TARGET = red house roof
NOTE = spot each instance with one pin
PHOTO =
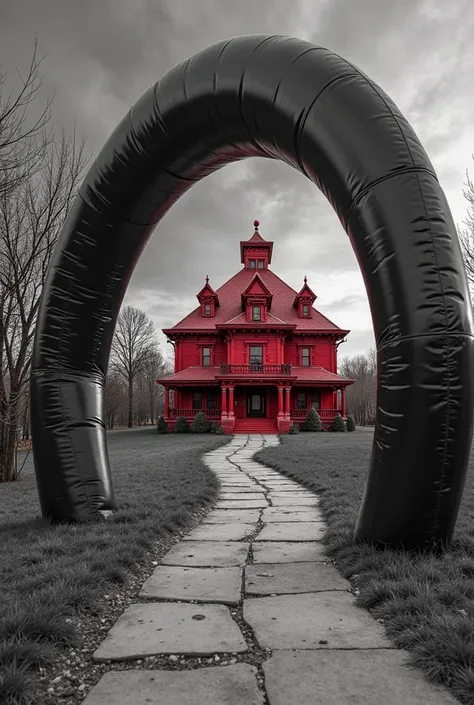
(282, 306)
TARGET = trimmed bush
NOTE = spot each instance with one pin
(200, 423)
(219, 431)
(162, 426)
(214, 426)
(350, 424)
(294, 428)
(182, 425)
(312, 422)
(338, 424)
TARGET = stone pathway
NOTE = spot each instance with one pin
(247, 610)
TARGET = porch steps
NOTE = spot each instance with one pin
(256, 426)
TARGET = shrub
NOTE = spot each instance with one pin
(182, 425)
(350, 424)
(214, 426)
(200, 423)
(294, 428)
(338, 424)
(162, 426)
(312, 422)
(219, 431)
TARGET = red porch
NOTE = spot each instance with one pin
(254, 398)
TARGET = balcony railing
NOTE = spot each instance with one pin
(256, 369)
(324, 414)
(191, 413)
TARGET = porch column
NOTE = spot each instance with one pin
(231, 400)
(224, 400)
(287, 402)
(280, 401)
(166, 409)
(343, 402)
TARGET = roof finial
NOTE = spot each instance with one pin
(305, 279)
(207, 278)
(256, 223)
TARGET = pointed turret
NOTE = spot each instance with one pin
(256, 253)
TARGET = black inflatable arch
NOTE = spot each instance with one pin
(280, 98)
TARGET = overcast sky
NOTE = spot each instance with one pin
(103, 54)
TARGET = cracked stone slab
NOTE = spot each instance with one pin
(241, 503)
(166, 628)
(214, 554)
(292, 531)
(320, 620)
(282, 515)
(224, 516)
(288, 552)
(187, 583)
(229, 685)
(294, 501)
(348, 677)
(234, 531)
(292, 578)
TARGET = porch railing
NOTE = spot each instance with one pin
(325, 414)
(191, 413)
(256, 369)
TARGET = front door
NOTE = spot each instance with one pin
(255, 403)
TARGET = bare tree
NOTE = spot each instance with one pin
(152, 394)
(24, 126)
(31, 216)
(466, 233)
(133, 344)
(361, 396)
(115, 398)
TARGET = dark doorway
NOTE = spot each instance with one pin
(256, 403)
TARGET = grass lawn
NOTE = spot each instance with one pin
(54, 580)
(426, 602)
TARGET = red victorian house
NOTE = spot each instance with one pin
(255, 355)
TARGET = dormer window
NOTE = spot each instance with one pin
(252, 263)
(305, 310)
(260, 264)
(256, 313)
(208, 299)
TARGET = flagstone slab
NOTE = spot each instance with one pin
(149, 629)
(296, 514)
(241, 495)
(229, 685)
(215, 554)
(320, 620)
(292, 578)
(292, 531)
(224, 516)
(186, 583)
(291, 492)
(287, 552)
(241, 503)
(348, 677)
(231, 531)
(294, 501)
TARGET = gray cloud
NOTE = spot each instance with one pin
(101, 57)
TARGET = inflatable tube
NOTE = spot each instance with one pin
(279, 98)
